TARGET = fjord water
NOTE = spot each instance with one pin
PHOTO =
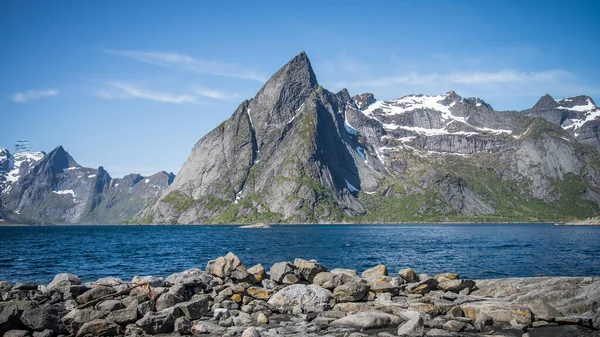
(36, 254)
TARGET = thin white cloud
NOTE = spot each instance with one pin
(465, 78)
(30, 95)
(128, 91)
(215, 94)
(189, 63)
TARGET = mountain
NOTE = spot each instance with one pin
(297, 153)
(577, 115)
(54, 188)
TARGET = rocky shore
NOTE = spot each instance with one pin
(301, 298)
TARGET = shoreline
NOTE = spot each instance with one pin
(301, 297)
(301, 224)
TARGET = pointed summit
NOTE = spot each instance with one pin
(58, 160)
(545, 103)
(297, 71)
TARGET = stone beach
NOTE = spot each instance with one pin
(301, 298)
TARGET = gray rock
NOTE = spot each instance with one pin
(123, 316)
(183, 326)
(308, 269)
(280, 269)
(409, 275)
(327, 280)
(454, 326)
(99, 327)
(439, 333)
(168, 300)
(177, 289)
(44, 333)
(228, 266)
(145, 307)
(251, 332)
(261, 318)
(368, 320)
(423, 287)
(62, 282)
(17, 333)
(242, 319)
(195, 308)
(44, 317)
(289, 279)
(543, 310)
(152, 280)
(105, 307)
(75, 319)
(9, 316)
(309, 298)
(498, 310)
(190, 277)
(456, 285)
(157, 322)
(413, 327)
(94, 293)
(350, 292)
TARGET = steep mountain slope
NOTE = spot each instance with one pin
(53, 188)
(299, 153)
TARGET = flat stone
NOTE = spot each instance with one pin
(543, 310)
(368, 320)
(17, 333)
(454, 326)
(456, 285)
(260, 293)
(350, 292)
(309, 298)
(499, 311)
(123, 316)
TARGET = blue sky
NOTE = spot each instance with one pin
(133, 85)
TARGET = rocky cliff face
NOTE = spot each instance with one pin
(53, 188)
(298, 153)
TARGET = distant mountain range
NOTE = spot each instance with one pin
(52, 188)
(297, 153)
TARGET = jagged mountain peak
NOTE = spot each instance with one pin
(364, 100)
(577, 103)
(60, 160)
(546, 102)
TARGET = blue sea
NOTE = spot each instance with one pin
(36, 254)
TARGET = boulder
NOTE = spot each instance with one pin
(368, 320)
(423, 287)
(94, 293)
(99, 327)
(76, 318)
(380, 287)
(378, 270)
(183, 326)
(62, 282)
(308, 298)
(327, 280)
(446, 277)
(251, 332)
(257, 273)
(543, 310)
(167, 300)
(46, 316)
(123, 316)
(158, 322)
(439, 333)
(260, 293)
(191, 277)
(116, 283)
(228, 266)
(413, 327)
(409, 275)
(106, 306)
(456, 285)
(261, 318)
(152, 280)
(280, 269)
(309, 268)
(346, 275)
(17, 333)
(9, 316)
(350, 292)
(290, 279)
(454, 326)
(195, 308)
